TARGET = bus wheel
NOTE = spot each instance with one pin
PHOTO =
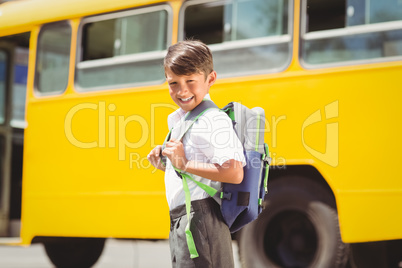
(74, 252)
(298, 228)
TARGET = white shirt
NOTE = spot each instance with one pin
(211, 139)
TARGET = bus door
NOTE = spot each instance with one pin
(14, 51)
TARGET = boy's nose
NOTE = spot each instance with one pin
(182, 89)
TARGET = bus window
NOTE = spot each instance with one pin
(21, 55)
(121, 49)
(3, 75)
(353, 30)
(53, 58)
(245, 36)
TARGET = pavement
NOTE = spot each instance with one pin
(116, 254)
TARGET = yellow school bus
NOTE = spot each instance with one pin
(83, 99)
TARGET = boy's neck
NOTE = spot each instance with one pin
(207, 97)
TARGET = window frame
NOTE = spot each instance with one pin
(8, 66)
(342, 32)
(253, 42)
(36, 91)
(121, 59)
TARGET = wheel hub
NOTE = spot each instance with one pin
(291, 239)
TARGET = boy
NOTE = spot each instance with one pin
(210, 151)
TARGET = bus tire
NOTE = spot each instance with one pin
(298, 228)
(74, 252)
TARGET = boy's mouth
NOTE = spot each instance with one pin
(187, 99)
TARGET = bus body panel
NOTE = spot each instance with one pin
(114, 178)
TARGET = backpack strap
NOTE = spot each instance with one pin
(192, 116)
(163, 158)
(201, 109)
(211, 191)
(267, 161)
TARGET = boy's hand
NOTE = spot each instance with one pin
(174, 150)
(230, 171)
(155, 158)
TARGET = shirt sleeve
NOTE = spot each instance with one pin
(214, 136)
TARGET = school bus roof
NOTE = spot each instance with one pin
(22, 15)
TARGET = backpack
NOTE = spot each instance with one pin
(240, 203)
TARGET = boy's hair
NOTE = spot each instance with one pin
(189, 57)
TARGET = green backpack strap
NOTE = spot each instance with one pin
(211, 191)
(196, 113)
(267, 162)
(193, 116)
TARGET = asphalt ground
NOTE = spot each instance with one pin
(116, 254)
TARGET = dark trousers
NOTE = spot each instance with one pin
(211, 236)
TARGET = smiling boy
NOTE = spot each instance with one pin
(210, 151)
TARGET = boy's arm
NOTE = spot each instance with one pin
(230, 171)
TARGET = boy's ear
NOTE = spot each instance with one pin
(212, 78)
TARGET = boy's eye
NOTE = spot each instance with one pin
(172, 83)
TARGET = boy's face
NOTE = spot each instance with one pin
(188, 91)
